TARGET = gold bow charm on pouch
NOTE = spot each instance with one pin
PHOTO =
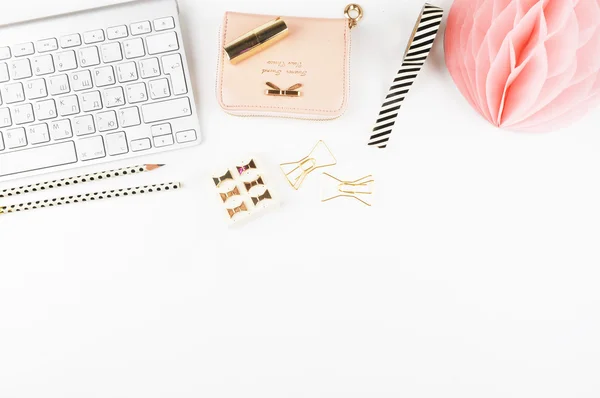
(291, 91)
(352, 189)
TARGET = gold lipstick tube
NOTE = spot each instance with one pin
(256, 40)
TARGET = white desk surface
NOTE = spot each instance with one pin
(474, 275)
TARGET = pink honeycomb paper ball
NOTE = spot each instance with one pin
(526, 65)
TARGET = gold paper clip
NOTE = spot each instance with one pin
(352, 189)
(291, 91)
(296, 172)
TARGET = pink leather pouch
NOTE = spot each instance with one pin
(313, 61)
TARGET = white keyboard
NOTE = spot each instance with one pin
(92, 87)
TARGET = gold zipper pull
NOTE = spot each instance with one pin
(354, 13)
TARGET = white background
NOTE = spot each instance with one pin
(475, 274)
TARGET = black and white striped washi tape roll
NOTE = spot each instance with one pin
(415, 56)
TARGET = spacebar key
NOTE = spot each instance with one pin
(37, 158)
(165, 110)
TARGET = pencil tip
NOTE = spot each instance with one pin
(151, 167)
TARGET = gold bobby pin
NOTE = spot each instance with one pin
(234, 192)
(260, 198)
(353, 189)
(246, 167)
(306, 165)
(291, 91)
(224, 177)
(249, 185)
(236, 210)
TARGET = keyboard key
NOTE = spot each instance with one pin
(35, 89)
(84, 125)
(14, 138)
(149, 68)
(91, 148)
(164, 24)
(161, 129)
(23, 114)
(21, 50)
(37, 158)
(129, 117)
(43, 46)
(104, 76)
(140, 28)
(111, 52)
(4, 53)
(140, 145)
(91, 101)
(5, 119)
(117, 32)
(69, 41)
(43, 65)
(4, 76)
(65, 61)
(107, 121)
(134, 48)
(116, 143)
(38, 134)
(127, 72)
(13, 93)
(61, 129)
(163, 140)
(159, 89)
(173, 66)
(1, 142)
(58, 84)
(136, 93)
(94, 36)
(165, 110)
(162, 43)
(68, 105)
(88, 56)
(114, 97)
(186, 136)
(45, 110)
(82, 80)
(20, 69)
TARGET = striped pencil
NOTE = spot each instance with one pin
(101, 175)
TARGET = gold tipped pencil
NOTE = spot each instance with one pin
(101, 175)
(86, 197)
